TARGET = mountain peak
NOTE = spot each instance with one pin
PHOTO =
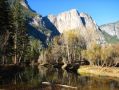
(69, 12)
(73, 11)
(73, 20)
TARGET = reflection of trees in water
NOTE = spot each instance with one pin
(34, 76)
(21, 80)
(57, 76)
(50, 74)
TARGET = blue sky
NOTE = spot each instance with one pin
(102, 11)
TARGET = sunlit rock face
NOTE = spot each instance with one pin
(36, 21)
(111, 28)
(34, 25)
(65, 21)
(23, 2)
(73, 20)
(34, 18)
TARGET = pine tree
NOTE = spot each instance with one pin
(21, 40)
(6, 27)
(14, 41)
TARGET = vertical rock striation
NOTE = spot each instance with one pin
(73, 20)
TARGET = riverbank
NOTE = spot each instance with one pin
(99, 71)
(10, 70)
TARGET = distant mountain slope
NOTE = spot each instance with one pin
(111, 28)
(109, 38)
(33, 22)
(111, 32)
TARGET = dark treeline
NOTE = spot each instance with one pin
(14, 40)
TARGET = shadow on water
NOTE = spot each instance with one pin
(42, 78)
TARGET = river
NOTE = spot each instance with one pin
(42, 78)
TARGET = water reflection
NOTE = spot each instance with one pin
(56, 79)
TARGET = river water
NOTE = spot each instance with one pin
(42, 78)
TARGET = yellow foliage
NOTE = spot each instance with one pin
(106, 52)
(71, 35)
(97, 52)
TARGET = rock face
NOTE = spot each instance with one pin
(36, 21)
(45, 28)
(35, 28)
(23, 3)
(73, 20)
(111, 28)
(34, 18)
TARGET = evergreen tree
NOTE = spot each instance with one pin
(21, 40)
(14, 41)
(6, 27)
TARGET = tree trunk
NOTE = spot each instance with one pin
(4, 46)
(68, 54)
(3, 59)
(15, 48)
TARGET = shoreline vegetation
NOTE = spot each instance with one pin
(91, 70)
(99, 71)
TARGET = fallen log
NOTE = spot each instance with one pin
(60, 85)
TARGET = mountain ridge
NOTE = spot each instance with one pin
(111, 28)
(73, 20)
(67, 20)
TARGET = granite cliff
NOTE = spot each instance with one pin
(45, 28)
(73, 20)
(111, 28)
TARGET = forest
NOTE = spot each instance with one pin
(17, 47)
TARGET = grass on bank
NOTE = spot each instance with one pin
(99, 71)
